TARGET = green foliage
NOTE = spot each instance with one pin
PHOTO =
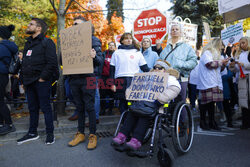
(200, 11)
(20, 12)
(115, 6)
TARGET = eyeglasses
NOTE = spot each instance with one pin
(159, 68)
(31, 24)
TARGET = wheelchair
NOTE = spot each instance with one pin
(173, 120)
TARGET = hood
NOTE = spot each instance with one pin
(12, 47)
(146, 52)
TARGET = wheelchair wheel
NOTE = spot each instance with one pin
(165, 157)
(183, 128)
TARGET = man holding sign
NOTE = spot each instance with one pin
(84, 95)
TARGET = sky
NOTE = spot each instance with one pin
(139, 5)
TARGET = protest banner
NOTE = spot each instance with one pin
(232, 34)
(76, 44)
(189, 31)
(232, 10)
(147, 86)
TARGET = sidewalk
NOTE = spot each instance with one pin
(62, 125)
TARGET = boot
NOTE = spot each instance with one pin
(79, 137)
(92, 142)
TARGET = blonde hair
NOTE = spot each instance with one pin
(214, 46)
(240, 49)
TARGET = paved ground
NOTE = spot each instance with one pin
(227, 148)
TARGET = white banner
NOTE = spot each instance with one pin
(232, 34)
(229, 5)
(189, 32)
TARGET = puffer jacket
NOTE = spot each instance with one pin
(7, 49)
(99, 59)
(182, 58)
(151, 57)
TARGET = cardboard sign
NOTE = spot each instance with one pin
(147, 86)
(232, 34)
(76, 44)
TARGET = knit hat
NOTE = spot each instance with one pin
(163, 63)
(5, 31)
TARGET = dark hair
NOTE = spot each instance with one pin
(83, 19)
(80, 18)
(112, 42)
(41, 23)
(125, 36)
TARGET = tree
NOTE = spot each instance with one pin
(200, 11)
(114, 6)
(20, 15)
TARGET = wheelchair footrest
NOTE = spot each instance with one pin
(139, 153)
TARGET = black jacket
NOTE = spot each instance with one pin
(99, 59)
(39, 60)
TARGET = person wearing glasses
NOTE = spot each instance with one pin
(84, 97)
(138, 125)
(38, 65)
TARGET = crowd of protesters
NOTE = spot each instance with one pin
(218, 77)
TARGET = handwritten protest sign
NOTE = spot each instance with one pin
(232, 34)
(75, 46)
(147, 86)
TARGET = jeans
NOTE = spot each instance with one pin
(97, 100)
(4, 110)
(85, 101)
(38, 95)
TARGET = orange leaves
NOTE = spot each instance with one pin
(91, 10)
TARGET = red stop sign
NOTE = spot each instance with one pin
(150, 23)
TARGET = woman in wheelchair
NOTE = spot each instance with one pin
(137, 125)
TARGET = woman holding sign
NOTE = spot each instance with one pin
(125, 62)
(138, 124)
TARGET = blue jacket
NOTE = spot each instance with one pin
(182, 58)
(151, 57)
(226, 84)
(7, 49)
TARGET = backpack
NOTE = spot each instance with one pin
(56, 73)
(13, 66)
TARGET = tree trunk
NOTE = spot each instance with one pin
(60, 85)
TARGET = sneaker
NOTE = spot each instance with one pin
(92, 142)
(27, 137)
(5, 129)
(134, 144)
(119, 139)
(79, 137)
(50, 139)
